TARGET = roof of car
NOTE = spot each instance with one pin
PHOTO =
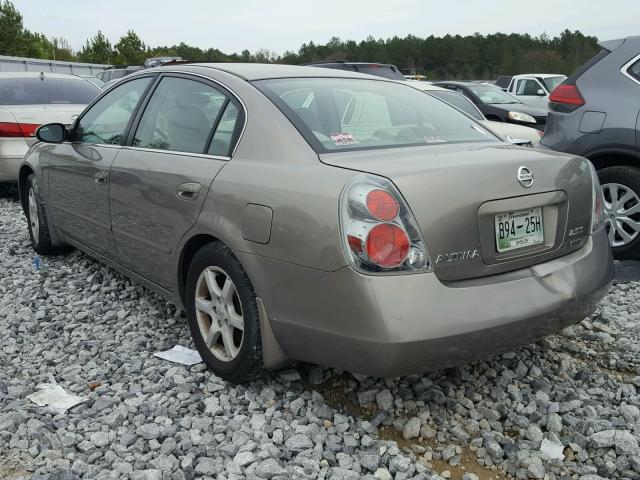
(616, 42)
(260, 71)
(424, 86)
(461, 83)
(39, 74)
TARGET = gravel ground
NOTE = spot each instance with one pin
(94, 332)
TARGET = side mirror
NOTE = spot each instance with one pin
(51, 133)
(540, 92)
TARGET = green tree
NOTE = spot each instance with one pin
(97, 50)
(130, 50)
(11, 30)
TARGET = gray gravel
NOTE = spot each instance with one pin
(94, 332)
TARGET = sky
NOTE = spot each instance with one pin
(281, 25)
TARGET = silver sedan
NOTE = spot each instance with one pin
(310, 214)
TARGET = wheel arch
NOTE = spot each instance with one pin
(613, 157)
(189, 250)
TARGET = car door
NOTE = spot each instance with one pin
(531, 92)
(78, 170)
(181, 139)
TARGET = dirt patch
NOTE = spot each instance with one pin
(11, 468)
(468, 461)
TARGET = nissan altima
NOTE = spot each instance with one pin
(298, 213)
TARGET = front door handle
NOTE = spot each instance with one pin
(188, 191)
(101, 177)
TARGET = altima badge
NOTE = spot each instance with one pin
(525, 177)
(457, 256)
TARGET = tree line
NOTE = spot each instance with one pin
(448, 57)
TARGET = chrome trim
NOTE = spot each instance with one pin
(107, 145)
(627, 66)
(175, 152)
(244, 107)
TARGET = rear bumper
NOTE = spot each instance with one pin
(9, 168)
(402, 324)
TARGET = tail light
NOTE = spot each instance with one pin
(9, 129)
(566, 98)
(379, 232)
(597, 214)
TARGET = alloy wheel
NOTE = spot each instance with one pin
(34, 223)
(219, 313)
(622, 213)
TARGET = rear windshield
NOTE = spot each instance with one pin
(34, 91)
(337, 114)
(459, 101)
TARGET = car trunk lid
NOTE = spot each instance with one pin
(42, 114)
(456, 191)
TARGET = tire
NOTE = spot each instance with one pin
(36, 214)
(623, 181)
(235, 356)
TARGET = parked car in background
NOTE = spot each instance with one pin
(378, 69)
(29, 99)
(93, 79)
(159, 61)
(321, 215)
(596, 113)
(516, 134)
(503, 82)
(534, 89)
(499, 106)
(115, 73)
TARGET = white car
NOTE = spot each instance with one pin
(510, 132)
(534, 88)
(30, 99)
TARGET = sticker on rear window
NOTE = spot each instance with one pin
(434, 139)
(342, 139)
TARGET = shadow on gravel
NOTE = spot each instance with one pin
(627, 271)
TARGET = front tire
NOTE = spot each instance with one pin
(621, 191)
(36, 214)
(223, 314)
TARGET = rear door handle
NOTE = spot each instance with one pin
(101, 177)
(188, 191)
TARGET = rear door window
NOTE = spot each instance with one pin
(634, 70)
(46, 91)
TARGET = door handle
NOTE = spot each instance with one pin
(188, 191)
(101, 177)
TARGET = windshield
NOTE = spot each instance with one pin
(348, 114)
(552, 82)
(491, 94)
(34, 91)
(459, 101)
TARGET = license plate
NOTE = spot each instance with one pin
(519, 229)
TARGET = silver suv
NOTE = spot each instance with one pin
(596, 113)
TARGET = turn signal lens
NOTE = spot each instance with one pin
(387, 245)
(382, 205)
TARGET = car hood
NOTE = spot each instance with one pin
(521, 107)
(456, 190)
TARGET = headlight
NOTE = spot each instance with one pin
(521, 117)
(597, 214)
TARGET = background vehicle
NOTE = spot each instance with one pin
(503, 82)
(596, 113)
(378, 69)
(93, 79)
(534, 88)
(115, 73)
(29, 99)
(499, 106)
(510, 132)
(307, 213)
(158, 61)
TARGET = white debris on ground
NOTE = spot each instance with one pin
(181, 355)
(55, 397)
(96, 333)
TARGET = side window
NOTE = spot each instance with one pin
(221, 142)
(179, 116)
(528, 87)
(634, 70)
(107, 120)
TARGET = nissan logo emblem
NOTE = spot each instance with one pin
(525, 177)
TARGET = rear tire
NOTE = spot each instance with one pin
(225, 299)
(36, 214)
(622, 182)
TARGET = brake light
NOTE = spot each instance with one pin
(379, 232)
(597, 212)
(9, 129)
(567, 94)
(382, 205)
